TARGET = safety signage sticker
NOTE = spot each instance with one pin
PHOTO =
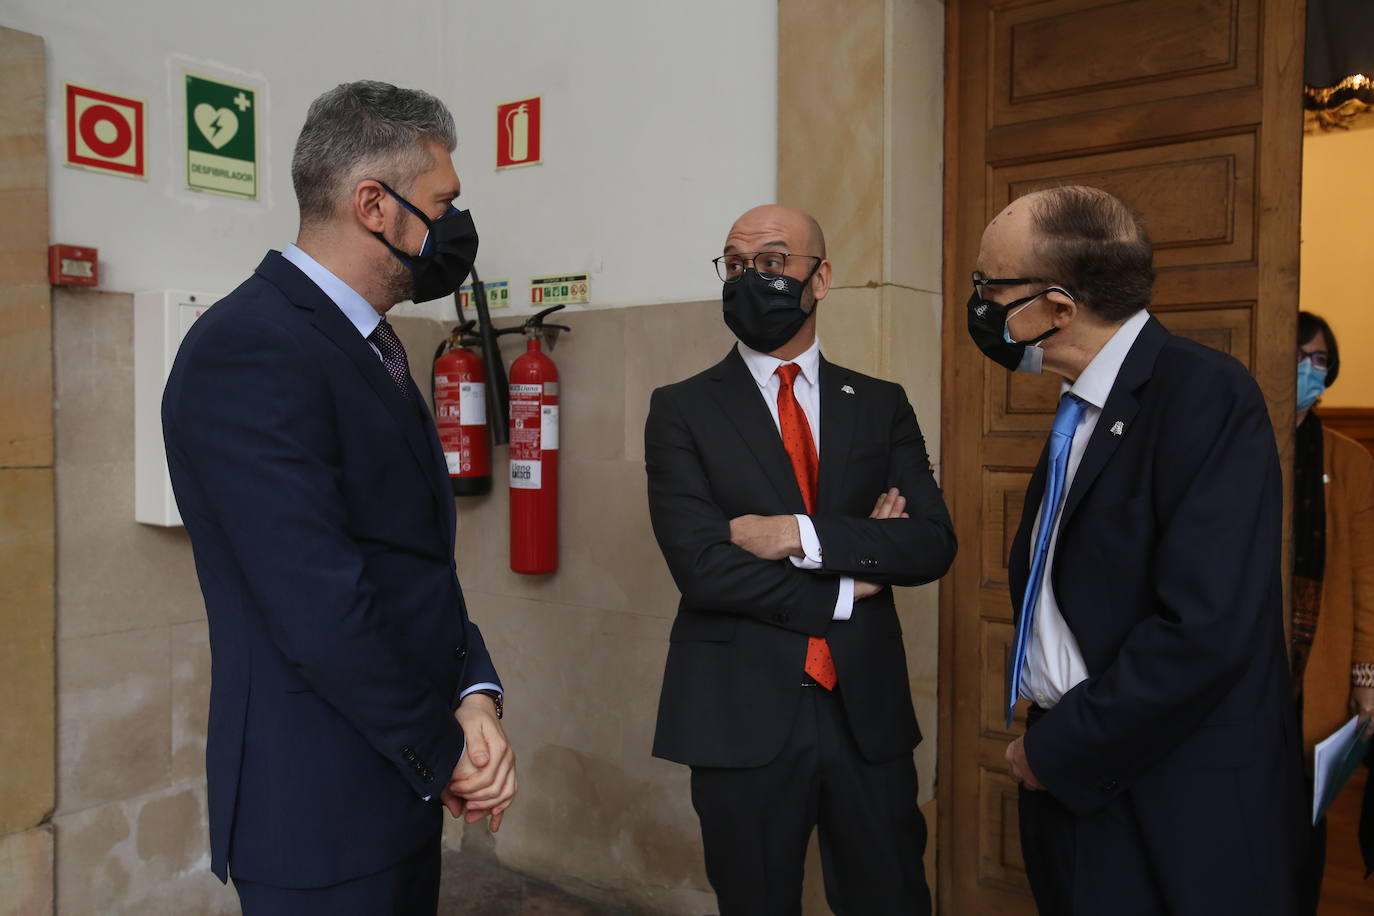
(573, 290)
(498, 294)
(221, 138)
(517, 133)
(106, 132)
(526, 452)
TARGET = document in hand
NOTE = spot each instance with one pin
(1336, 758)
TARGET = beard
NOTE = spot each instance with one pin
(398, 283)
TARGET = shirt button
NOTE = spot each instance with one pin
(1040, 699)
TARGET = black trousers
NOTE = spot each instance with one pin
(408, 888)
(756, 823)
(1313, 866)
(1084, 866)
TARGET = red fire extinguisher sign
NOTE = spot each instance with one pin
(517, 133)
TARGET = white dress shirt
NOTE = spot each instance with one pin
(1054, 663)
(365, 318)
(807, 389)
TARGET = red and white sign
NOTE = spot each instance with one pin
(517, 133)
(106, 133)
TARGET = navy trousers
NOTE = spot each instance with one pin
(408, 888)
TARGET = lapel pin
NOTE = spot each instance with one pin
(847, 389)
(1118, 428)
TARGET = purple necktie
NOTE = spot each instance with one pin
(393, 356)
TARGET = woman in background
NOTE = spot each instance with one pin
(1333, 567)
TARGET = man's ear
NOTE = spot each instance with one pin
(368, 197)
(1064, 309)
(820, 280)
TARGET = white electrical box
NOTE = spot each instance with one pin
(161, 320)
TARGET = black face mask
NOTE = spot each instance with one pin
(765, 314)
(445, 258)
(987, 325)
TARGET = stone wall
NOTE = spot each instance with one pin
(26, 485)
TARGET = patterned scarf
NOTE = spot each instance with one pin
(1309, 540)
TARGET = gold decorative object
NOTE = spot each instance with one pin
(1336, 107)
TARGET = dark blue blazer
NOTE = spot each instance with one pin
(1167, 570)
(320, 515)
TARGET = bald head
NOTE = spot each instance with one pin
(778, 227)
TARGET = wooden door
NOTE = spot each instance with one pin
(1191, 111)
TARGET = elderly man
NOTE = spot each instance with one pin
(351, 695)
(786, 686)
(1160, 770)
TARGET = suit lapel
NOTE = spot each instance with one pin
(333, 324)
(839, 410)
(739, 399)
(1121, 408)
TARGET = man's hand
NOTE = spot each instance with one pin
(1020, 766)
(891, 504)
(864, 589)
(1362, 702)
(768, 537)
(484, 782)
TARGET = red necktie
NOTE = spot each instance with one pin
(801, 451)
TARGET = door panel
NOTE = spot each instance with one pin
(1191, 111)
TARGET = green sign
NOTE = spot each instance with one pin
(221, 138)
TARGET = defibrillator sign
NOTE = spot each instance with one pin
(221, 138)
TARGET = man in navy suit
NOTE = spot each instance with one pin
(1160, 771)
(351, 698)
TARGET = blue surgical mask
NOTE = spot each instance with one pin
(1311, 384)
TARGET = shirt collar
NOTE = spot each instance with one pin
(356, 309)
(762, 366)
(1095, 382)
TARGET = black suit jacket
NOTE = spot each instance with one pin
(738, 644)
(322, 525)
(1167, 570)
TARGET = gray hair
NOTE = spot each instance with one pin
(364, 129)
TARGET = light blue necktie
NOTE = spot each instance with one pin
(1061, 438)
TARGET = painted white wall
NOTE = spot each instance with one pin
(1337, 198)
(659, 128)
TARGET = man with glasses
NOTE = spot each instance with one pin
(1159, 772)
(786, 686)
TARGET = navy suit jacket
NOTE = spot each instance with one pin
(1167, 571)
(733, 676)
(320, 515)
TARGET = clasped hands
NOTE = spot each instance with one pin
(777, 537)
(483, 783)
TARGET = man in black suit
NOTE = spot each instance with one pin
(351, 696)
(1160, 770)
(786, 686)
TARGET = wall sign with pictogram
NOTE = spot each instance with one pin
(498, 294)
(106, 132)
(221, 138)
(518, 133)
(570, 290)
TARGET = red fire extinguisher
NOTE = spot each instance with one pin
(534, 451)
(460, 411)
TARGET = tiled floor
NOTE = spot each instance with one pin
(473, 888)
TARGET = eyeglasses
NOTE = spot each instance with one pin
(1319, 358)
(770, 264)
(980, 281)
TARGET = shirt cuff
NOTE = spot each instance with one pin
(811, 545)
(482, 686)
(844, 604)
(1362, 674)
